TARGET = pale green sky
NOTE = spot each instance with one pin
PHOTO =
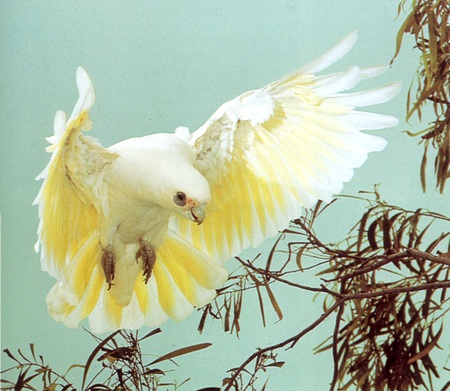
(157, 65)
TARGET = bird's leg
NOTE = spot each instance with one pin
(109, 265)
(148, 256)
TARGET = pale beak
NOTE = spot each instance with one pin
(198, 213)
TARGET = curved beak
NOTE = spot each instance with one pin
(198, 213)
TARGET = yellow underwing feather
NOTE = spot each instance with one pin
(170, 297)
(113, 311)
(206, 273)
(142, 294)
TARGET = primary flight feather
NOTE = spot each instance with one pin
(138, 232)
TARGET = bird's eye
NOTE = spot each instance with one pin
(180, 199)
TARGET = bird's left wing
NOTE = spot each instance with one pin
(270, 152)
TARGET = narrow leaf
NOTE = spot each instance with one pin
(362, 227)
(371, 235)
(386, 231)
(151, 333)
(433, 45)
(427, 348)
(180, 352)
(10, 355)
(277, 364)
(72, 367)
(154, 372)
(94, 353)
(406, 26)
(274, 302)
(298, 258)
(260, 299)
(423, 169)
(32, 351)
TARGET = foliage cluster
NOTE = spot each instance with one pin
(385, 285)
(429, 24)
(116, 363)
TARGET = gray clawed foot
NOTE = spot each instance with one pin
(109, 265)
(148, 256)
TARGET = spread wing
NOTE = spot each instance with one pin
(73, 194)
(270, 152)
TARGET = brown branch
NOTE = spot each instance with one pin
(411, 252)
(388, 259)
(290, 341)
(392, 291)
(269, 275)
(335, 347)
(429, 257)
(341, 300)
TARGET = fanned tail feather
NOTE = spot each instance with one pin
(183, 278)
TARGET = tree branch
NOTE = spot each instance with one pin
(231, 382)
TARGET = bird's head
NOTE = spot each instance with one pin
(169, 174)
(190, 207)
(188, 193)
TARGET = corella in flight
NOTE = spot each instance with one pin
(138, 232)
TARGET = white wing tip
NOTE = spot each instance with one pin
(351, 38)
(86, 93)
(394, 88)
(379, 144)
(84, 82)
(332, 55)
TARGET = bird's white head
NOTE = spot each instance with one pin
(158, 168)
(184, 190)
(189, 207)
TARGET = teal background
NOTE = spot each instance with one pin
(157, 65)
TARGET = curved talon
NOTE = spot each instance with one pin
(109, 265)
(148, 256)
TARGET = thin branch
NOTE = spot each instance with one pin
(274, 276)
(290, 341)
(335, 347)
(431, 286)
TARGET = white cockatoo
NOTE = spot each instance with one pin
(138, 232)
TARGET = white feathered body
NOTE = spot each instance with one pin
(137, 188)
(137, 198)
